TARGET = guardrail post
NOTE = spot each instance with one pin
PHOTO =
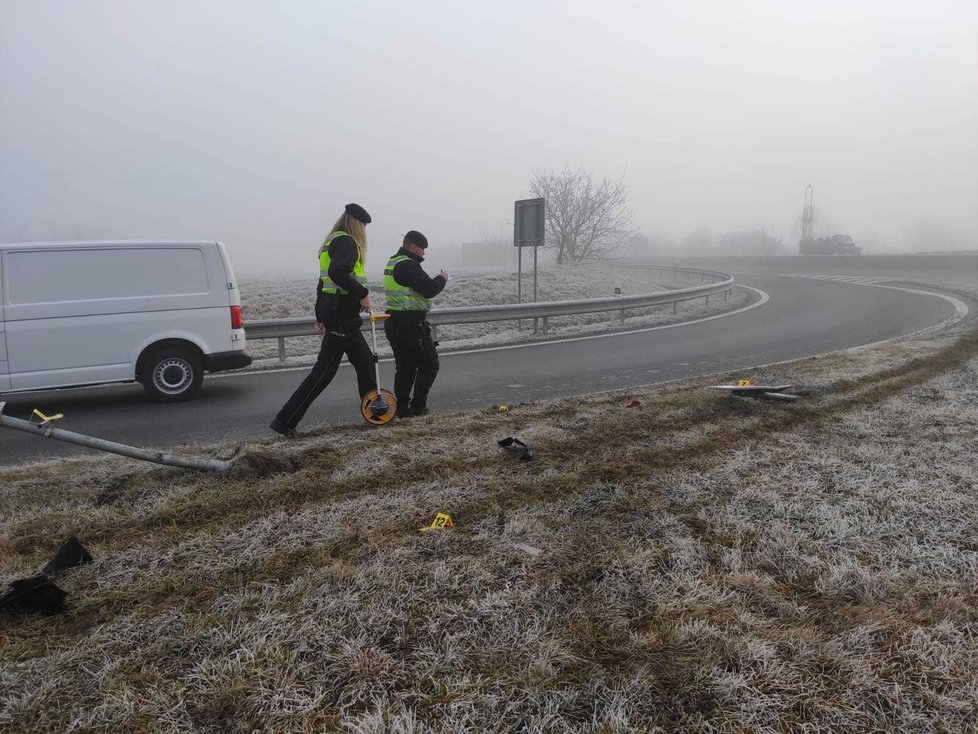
(281, 349)
(674, 305)
(621, 316)
(536, 325)
(546, 325)
(434, 332)
(707, 300)
(725, 295)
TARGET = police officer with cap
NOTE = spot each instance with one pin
(408, 291)
(341, 294)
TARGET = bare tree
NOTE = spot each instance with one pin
(585, 219)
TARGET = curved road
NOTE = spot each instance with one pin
(803, 317)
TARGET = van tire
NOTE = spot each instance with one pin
(171, 375)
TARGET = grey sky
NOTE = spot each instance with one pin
(253, 122)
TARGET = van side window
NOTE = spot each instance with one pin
(57, 276)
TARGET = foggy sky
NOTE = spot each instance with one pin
(254, 122)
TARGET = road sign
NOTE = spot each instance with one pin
(529, 230)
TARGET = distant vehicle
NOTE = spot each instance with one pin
(837, 244)
(83, 313)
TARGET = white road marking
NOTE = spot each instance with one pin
(961, 310)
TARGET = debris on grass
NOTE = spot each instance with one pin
(516, 448)
(71, 553)
(34, 595)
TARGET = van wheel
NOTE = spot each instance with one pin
(172, 375)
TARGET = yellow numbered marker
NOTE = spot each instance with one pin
(441, 521)
(744, 383)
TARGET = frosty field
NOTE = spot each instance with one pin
(699, 563)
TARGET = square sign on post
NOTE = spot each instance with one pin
(529, 223)
(529, 227)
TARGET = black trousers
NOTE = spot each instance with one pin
(415, 361)
(336, 342)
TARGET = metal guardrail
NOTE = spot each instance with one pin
(719, 284)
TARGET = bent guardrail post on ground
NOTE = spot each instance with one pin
(46, 430)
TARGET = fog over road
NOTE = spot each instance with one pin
(804, 316)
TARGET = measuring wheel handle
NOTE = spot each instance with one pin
(378, 406)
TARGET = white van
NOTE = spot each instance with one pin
(82, 313)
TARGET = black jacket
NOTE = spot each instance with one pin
(341, 310)
(410, 273)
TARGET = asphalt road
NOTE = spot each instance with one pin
(803, 317)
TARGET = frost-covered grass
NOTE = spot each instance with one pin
(705, 564)
(288, 297)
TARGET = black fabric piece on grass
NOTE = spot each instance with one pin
(71, 553)
(36, 594)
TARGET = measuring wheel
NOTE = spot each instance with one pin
(378, 407)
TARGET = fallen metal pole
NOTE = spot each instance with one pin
(782, 396)
(46, 430)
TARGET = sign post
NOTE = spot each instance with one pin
(529, 230)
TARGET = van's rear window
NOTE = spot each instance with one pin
(53, 276)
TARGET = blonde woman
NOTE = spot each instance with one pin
(341, 294)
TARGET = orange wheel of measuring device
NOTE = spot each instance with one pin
(378, 407)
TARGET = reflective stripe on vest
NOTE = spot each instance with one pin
(328, 285)
(400, 297)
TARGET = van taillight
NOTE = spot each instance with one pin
(237, 320)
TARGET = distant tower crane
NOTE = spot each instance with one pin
(808, 218)
(837, 244)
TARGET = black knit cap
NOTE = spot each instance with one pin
(417, 239)
(358, 212)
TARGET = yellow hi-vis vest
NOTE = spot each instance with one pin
(328, 285)
(400, 297)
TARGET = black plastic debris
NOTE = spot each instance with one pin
(71, 553)
(516, 448)
(36, 594)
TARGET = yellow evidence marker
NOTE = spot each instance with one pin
(440, 522)
(46, 418)
(744, 383)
